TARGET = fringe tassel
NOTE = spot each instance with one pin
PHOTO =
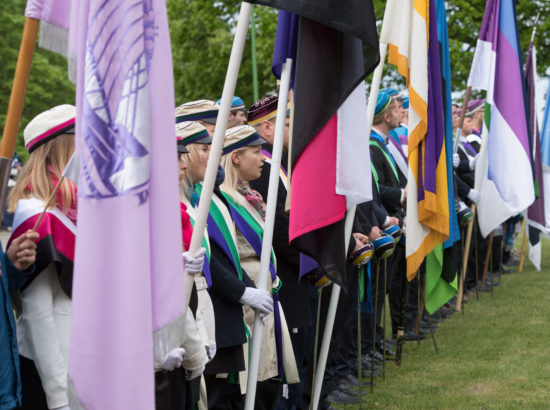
(54, 38)
(168, 338)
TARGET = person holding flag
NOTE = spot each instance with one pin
(243, 161)
(44, 321)
(230, 285)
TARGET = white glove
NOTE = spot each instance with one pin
(62, 408)
(474, 196)
(456, 160)
(211, 351)
(192, 374)
(258, 299)
(173, 359)
(193, 264)
(473, 162)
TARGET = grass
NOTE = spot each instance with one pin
(494, 355)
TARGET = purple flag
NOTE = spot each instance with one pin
(536, 210)
(128, 293)
(285, 43)
(56, 12)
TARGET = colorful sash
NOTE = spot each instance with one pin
(219, 232)
(469, 147)
(377, 141)
(282, 171)
(254, 233)
(56, 242)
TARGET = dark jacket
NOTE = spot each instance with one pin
(225, 292)
(10, 380)
(294, 294)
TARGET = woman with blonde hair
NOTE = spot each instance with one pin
(44, 320)
(242, 161)
(230, 285)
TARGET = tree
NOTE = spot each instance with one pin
(202, 36)
(48, 82)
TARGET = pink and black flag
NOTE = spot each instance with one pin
(128, 293)
(504, 174)
(337, 47)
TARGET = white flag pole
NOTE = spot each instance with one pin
(268, 230)
(219, 135)
(331, 315)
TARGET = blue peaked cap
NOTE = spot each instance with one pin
(405, 103)
(382, 102)
(236, 104)
(392, 92)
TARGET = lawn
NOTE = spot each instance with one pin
(493, 355)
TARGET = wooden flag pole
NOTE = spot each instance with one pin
(271, 206)
(487, 257)
(523, 246)
(50, 200)
(460, 294)
(17, 100)
(219, 135)
(461, 119)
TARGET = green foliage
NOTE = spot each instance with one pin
(48, 83)
(464, 22)
(202, 36)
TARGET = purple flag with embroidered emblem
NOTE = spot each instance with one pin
(128, 293)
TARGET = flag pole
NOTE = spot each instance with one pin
(255, 92)
(331, 315)
(377, 77)
(487, 257)
(219, 135)
(17, 100)
(523, 246)
(461, 119)
(465, 261)
(268, 231)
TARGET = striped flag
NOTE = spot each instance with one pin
(504, 175)
(536, 218)
(545, 154)
(441, 284)
(337, 48)
(413, 49)
(128, 292)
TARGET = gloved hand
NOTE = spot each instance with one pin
(474, 195)
(192, 374)
(473, 162)
(456, 160)
(193, 264)
(173, 359)
(63, 408)
(258, 299)
(211, 352)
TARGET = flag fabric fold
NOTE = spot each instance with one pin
(329, 130)
(506, 190)
(545, 157)
(536, 212)
(410, 30)
(55, 16)
(128, 293)
(441, 262)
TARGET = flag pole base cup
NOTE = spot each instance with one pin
(362, 255)
(395, 232)
(384, 246)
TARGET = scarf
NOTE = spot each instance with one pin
(253, 197)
